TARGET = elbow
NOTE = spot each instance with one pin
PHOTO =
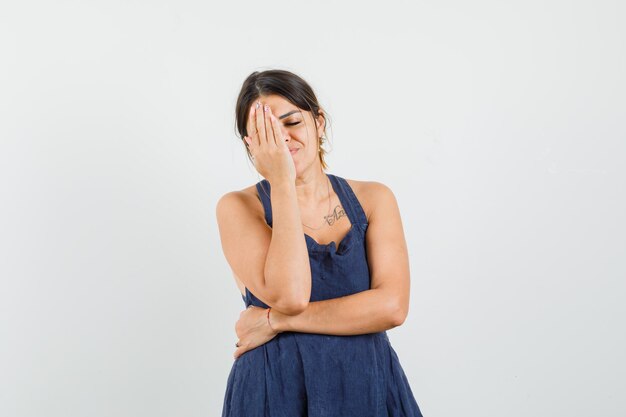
(398, 315)
(291, 307)
(291, 301)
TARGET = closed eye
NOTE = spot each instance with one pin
(291, 124)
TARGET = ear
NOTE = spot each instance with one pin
(321, 122)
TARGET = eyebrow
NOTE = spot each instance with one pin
(287, 114)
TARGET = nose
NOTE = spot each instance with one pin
(284, 135)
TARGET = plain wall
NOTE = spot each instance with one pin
(499, 126)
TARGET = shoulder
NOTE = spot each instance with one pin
(246, 199)
(373, 196)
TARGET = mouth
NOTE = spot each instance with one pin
(292, 151)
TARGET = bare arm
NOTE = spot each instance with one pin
(368, 311)
(272, 263)
(287, 261)
(382, 307)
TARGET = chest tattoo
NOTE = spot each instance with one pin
(337, 214)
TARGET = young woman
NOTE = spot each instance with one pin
(322, 265)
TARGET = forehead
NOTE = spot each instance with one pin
(280, 106)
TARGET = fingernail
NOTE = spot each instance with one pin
(258, 104)
(267, 107)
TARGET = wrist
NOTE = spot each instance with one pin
(277, 321)
(282, 184)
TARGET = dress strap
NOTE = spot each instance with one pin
(264, 189)
(346, 195)
(348, 199)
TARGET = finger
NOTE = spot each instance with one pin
(252, 128)
(269, 129)
(278, 133)
(260, 124)
(239, 351)
(238, 332)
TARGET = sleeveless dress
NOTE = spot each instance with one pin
(318, 375)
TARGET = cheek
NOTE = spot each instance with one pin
(299, 129)
(304, 132)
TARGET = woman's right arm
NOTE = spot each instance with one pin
(273, 263)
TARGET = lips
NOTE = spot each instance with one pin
(294, 150)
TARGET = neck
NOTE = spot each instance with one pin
(312, 188)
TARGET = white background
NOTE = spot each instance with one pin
(498, 125)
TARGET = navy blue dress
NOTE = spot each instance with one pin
(317, 375)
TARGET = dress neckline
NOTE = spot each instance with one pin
(344, 195)
(344, 205)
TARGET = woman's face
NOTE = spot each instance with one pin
(298, 129)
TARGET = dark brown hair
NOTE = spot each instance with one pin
(282, 83)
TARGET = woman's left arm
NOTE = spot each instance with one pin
(386, 304)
